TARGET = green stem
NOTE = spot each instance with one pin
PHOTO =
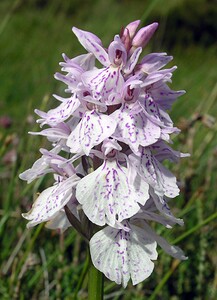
(95, 283)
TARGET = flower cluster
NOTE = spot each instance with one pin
(109, 139)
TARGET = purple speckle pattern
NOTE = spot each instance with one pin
(132, 61)
(134, 128)
(50, 202)
(122, 255)
(92, 44)
(61, 113)
(154, 173)
(91, 131)
(154, 113)
(164, 209)
(106, 194)
(103, 83)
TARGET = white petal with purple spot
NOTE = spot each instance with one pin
(50, 202)
(60, 113)
(91, 131)
(154, 173)
(92, 44)
(106, 194)
(104, 84)
(153, 112)
(134, 128)
(122, 255)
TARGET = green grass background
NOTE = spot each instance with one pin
(43, 264)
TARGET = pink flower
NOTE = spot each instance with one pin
(109, 140)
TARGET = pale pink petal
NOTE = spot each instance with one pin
(143, 36)
(154, 112)
(54, 134)
(163, 95)
(82, 35)
(71, 80)
(163, 151)
(151, 216)
(163, 207)
(132, 61)
(85, 61)
(92, 44)
(59, 114)
(40, 166)
(167, 131)
(155, 77)
(132, 27)
(153, 62)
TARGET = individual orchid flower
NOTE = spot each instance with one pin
(94, 127)
(128, 254)
(58, 115)
(134, 128)
(51, 201)
(154, 173)
(74, 68)
(122, 255)
(48, 163)
(108, 81)
(106, 195)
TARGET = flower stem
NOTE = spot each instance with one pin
(95, 283)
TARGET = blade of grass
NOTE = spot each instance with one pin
(149, 9)
(195, 228)
(9, 15)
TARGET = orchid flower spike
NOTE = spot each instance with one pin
(109, 139)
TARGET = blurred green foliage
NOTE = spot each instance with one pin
(41, 264)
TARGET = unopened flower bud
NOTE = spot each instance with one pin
(143, 35)
(131, 28)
